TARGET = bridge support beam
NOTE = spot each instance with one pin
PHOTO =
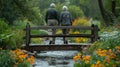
(39, 48)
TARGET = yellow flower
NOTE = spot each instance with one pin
(117, 47)
(98, 62)
(87, 62)
(109, 30)
(77, 57)
(0, 49)
(74, 22)
(79, 54)
(93, 65)
(88, 57)
(77, 40)
(76, 32)
(101, 52)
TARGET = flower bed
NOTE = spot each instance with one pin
(99, 58)
(16, 58)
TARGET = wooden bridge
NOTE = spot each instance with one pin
(93, 36)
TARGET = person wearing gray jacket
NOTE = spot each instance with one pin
(65, 20)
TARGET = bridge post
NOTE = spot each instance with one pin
(94, 33)
(27, 36)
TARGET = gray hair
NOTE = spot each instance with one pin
(52, 5)
(64, 8)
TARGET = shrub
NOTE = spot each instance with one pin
(5, 60)
(99, 58)
(15, 58)
(108, 40)
(10, 38)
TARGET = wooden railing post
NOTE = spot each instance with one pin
(27, 36)
(94, 33)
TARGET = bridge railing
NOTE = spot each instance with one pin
(93, 35)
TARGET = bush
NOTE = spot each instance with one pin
(99, 58)
(108, 40)
(15, 58)
(5, 60)
(10, 38)
(75, 11)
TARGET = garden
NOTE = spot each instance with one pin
(14, 15)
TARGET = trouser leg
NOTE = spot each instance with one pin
(53, 22)
(53, 32)
(66, 32)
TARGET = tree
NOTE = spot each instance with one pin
(13, 9)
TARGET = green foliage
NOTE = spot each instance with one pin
(8, 60)
(77, 65)
(8, 38)
(108, 40)
(98, 23)
(3, 26)
(24, 64)
(12, 40)
(5, 60)
(39, 32)
(16, 9)
(75, 11)
(98, 58)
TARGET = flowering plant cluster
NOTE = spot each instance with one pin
(16, 58)
(79, 39)
(99, 58)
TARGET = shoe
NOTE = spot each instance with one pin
(53, 42)
(65, 42)
(50, 42)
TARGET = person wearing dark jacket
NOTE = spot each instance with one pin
(52, 19)
(65, 20)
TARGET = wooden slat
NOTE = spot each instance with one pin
(61, 35)
(62, 27)
(56, 47)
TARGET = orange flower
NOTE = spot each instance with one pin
(101, 52)
(98, 64)
(31, 59)
(77, 57)
(88, 57)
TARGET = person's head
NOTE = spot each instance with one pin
(52, 5)
(64, 8)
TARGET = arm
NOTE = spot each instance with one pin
(46, 17)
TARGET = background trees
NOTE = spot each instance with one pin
(34, 10)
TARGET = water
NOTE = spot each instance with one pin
(55, 58)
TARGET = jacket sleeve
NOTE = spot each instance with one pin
(71, 19)
(46, 16)
(60, 19)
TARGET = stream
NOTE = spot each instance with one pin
(55, 58)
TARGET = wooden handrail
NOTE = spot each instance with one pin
(62, 35)
(62, 27)
(93, 35)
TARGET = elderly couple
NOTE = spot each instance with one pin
(53, 19)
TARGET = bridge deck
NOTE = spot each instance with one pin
(56, 47)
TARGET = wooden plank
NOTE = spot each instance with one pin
(62, 27)
(55, 47)
(62, 35)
